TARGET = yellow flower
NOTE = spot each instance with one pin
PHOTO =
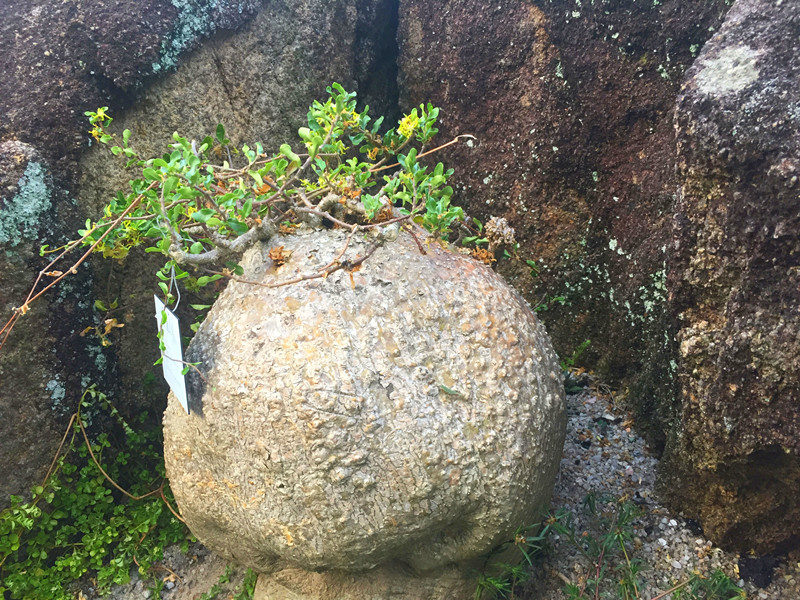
(408, 124)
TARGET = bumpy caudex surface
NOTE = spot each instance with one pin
(410, 410)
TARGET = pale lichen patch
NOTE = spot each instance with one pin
(21, 216)
(730, 71)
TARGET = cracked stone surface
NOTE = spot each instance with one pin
(414, 414)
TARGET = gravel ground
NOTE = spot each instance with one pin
(602, 454)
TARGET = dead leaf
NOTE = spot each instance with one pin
(483, 255)
(279, 255)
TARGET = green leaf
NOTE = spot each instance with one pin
(247, 208)
(286, 150)
(257, 177)
(203, 215)
(372, 204)
(196, 248)
(237, 226)
(235, 268)
(410, 159)
(220, 134)
(169, 185)
(200, 306)
(151, 174)
(206, 279)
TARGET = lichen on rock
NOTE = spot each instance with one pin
(21, 216)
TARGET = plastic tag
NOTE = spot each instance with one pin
(171, 352)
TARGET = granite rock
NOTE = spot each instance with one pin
(257, 76)
(38, 379)
(734, 455)
(60, 59)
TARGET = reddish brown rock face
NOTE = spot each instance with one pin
(576, 147)
(736, 450)
(572, 110)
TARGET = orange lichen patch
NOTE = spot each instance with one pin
(279, 255)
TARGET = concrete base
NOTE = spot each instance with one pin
(388, 582)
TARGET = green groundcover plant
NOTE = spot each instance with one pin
(78, 522)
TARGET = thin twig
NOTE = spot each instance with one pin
(60, 446)
(177, 240)
(347, 265)
(338, 256)
(304, 166)
(431, 151)
(416, 239)
(672, 589)
(169, 506)
(106, 475)
(324, 215)
(562, 577)
(32, 295)
(188, 364)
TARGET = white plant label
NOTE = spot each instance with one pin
(171, 353)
